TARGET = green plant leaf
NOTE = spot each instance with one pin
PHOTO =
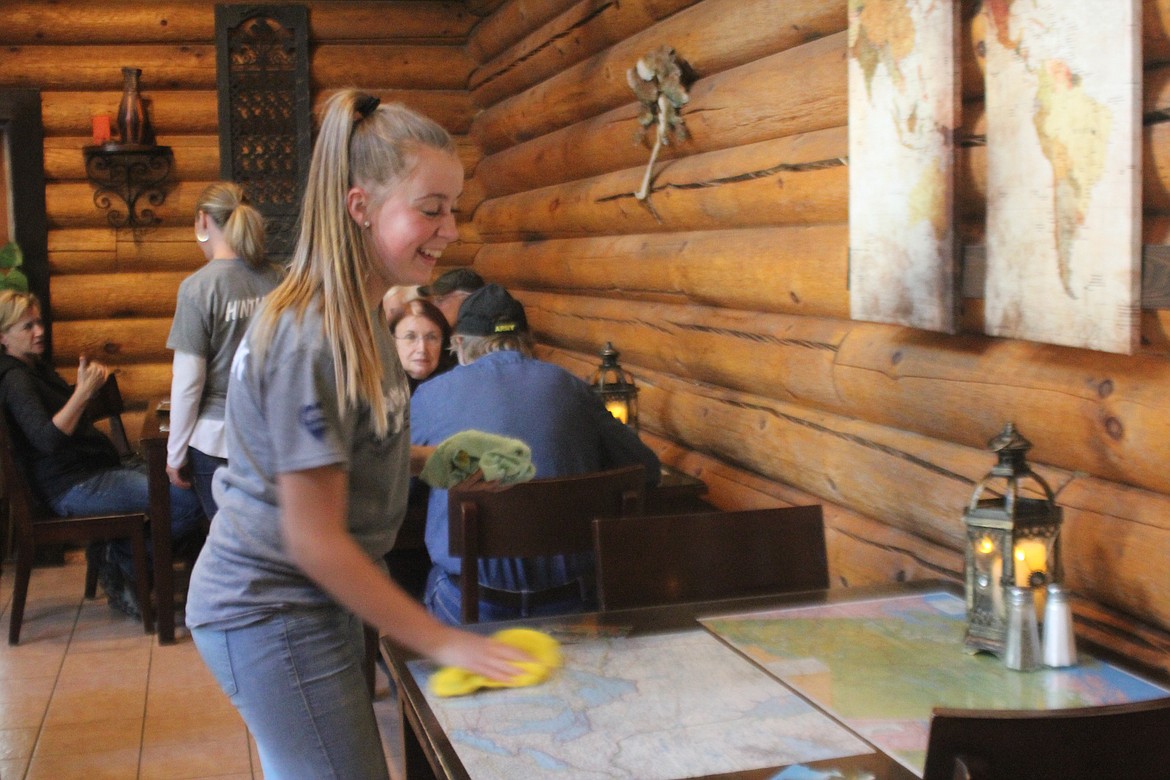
(11, 256)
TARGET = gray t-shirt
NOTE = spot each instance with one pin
(283, 416)
(212, 312)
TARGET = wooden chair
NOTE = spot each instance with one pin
(537, 518)
(34, 525)
(668, 559)
(1088, 743)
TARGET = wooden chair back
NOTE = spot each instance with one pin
(537, 518)
(669, 559)
(106, 406)
(34, 525)
(1086, 743)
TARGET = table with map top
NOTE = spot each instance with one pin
(835, 683)
(879, 665)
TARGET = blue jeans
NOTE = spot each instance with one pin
(123, 490)
(443, 601)
(203, 468)
(297, 679)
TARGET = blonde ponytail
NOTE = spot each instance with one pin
(360, 144)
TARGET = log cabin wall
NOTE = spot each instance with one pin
(730, 306)
(730, 303)
(112, 291)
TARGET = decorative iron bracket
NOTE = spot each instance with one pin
(131, 175)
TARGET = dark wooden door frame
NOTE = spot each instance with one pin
(20, 115)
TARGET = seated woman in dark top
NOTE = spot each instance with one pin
(72, 466)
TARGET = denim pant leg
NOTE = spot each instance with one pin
(124, 490)
(203, 468)
(442, 599)
(298, 682)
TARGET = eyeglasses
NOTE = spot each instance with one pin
(430, 339)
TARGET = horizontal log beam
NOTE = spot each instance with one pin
(196, 112)
(71, 205)
(81, 21)
(861, 550)
(390, 66)
(114, 296)
(782, 357)
(1105, 415)
(801, 180)
(758, 101)
(88, 67)
(172, 112)
(447, 21)
(581, 31)
(790, 270)
(513, 20)
(107, 251)
(140, 382)
(1156, 31)
(135, 340)
(713, 36)
(192, 67)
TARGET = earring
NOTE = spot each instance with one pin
(366, 224)
(202, 238)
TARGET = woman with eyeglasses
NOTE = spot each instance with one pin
(423, 338)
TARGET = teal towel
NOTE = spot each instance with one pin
(500, 459)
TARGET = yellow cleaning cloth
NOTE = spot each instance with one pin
(545, 651)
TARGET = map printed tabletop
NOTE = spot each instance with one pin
(880, 666)
(652, 707)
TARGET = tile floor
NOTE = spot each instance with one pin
(87, 694)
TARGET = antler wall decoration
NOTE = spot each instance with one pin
(659, 81)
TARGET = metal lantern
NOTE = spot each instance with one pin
(1011, 541)
(616, 387)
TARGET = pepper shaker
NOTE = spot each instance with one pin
(1022, 649)
(1059, 639)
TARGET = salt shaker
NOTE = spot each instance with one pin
(1059, 640)
(1022, 650)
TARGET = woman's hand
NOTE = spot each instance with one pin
(493, 659)
(91, 376)
(178, 476)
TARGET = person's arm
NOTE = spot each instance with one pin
(313, 511)
(188, 376)
(418, 457)
(90, 378)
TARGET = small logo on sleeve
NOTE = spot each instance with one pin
(313, 419)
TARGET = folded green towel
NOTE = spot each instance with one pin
(499, 458)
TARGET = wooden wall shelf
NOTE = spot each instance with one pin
(133, 176)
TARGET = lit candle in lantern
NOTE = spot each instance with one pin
(988, 562)
(618, 409)
(101, 128)
(1031, 556)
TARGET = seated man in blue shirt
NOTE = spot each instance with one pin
(499, 387)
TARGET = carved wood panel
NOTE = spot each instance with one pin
(265, 118)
